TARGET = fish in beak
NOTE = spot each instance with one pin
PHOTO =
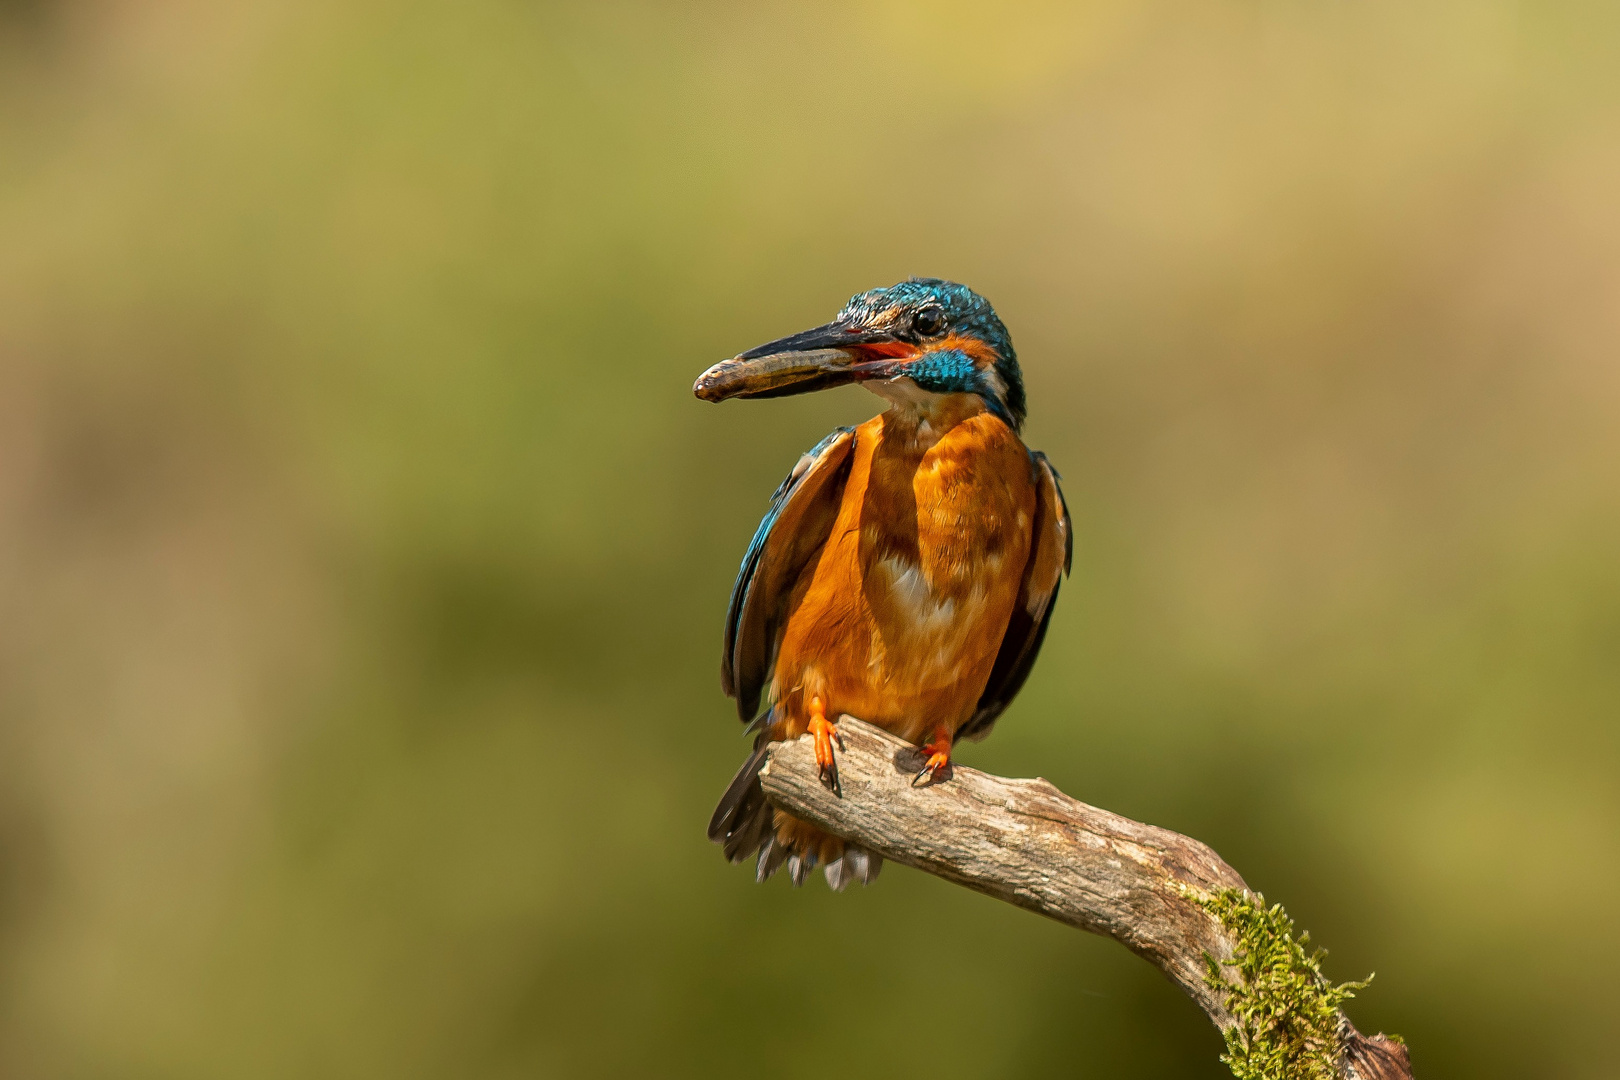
(817, 359)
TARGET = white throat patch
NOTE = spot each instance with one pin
(904, 393)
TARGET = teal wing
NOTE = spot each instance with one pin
(1051, 550)
(787, 542)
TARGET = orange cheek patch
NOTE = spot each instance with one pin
(973, 347)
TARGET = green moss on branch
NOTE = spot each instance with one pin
(1286, 1012)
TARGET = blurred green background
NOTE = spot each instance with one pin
(363, 552)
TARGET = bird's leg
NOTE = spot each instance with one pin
(824, 731)
(938, 763)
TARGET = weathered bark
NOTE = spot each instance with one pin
(1025, 842)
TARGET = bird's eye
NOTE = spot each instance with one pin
(928, 322)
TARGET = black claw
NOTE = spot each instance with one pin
(829, 778)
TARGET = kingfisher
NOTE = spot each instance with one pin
(906, 570)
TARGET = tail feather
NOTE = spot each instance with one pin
(742, 821)
(772, 854)
(863, 864)
(855, 864)
(839, 874)
(745, 825)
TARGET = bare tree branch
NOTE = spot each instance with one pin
(1025, 842)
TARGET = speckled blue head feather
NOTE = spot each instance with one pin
(925, 335)
(931, 313)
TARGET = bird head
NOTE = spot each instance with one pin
(909, 342)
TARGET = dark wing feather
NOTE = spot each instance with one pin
(1051, 549)
(794, 530)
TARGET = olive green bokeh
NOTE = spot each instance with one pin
(364, 553)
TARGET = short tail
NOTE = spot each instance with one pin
(744, 824)
(743, 820)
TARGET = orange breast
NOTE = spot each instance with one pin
(900, 618)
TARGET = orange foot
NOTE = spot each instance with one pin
(824, 731)
(938, 765)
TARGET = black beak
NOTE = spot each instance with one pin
(827, 356)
